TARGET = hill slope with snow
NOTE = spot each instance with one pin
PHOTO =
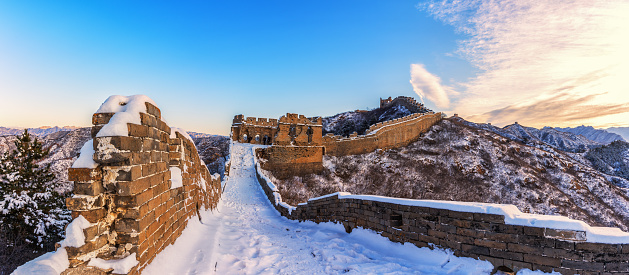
(458, 162)
(39, 132)
(346, 123)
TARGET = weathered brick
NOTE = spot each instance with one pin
(136, 130)
(501, 237)
(490, 244)
(567, 245)
(541, 260)
(84, 174)
(461, 215)
(475, 249)
(617, 267)
(123, 173)
(148, 120)
(470, 232)
(581, 265)
(598, 247)
(572, 235)
(562, 253)
(153, 110)
(101, 118)
(536, 241)
(92, 215)
(524, 248)
(516, 256)
(129, 188)
(83, 203)
(534, 231)
(95, 129)
(118, 142)
(127, 225)
(493, 218)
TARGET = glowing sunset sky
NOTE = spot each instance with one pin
(556, 63)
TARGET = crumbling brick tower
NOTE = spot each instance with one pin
(253, 130)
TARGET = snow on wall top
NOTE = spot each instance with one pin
(127, 109)
(86, 159)
(511, 213)
(183, 132)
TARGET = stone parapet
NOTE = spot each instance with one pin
(476, 235)
(385, 135)
(131, 198)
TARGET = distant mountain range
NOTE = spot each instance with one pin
(598, 135)
(547, 136)
(623, 131)
(39, 132)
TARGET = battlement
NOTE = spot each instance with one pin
(294, 130)
(290, 118)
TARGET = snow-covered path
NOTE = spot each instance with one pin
(245, 235)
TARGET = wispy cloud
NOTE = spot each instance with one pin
(428, 85)
(562, 110)
(565, 57)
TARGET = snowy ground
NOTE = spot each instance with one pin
(245, 235)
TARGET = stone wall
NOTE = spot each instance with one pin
(476, 235)
(287, 161)
(254, 130)
(129, 198)
(385, 135)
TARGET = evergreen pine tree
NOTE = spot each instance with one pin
(31, 210)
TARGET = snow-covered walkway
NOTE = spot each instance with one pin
(245, 235)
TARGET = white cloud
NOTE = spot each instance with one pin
(532, 51)
(429, 86)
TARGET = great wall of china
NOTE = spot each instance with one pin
(148, 182)
(131, 199)
(297, 144)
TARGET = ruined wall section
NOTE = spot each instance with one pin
(419, 107)
(254, 130)
(481, 236)
(296, 148)
(129, 198)
(385, 135)
(288, 161)
(299, 130)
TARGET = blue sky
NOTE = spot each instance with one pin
(205, 61)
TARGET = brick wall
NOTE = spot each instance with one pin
(476, 235)
(287, 161)
(250, 127)
(385, 135)
(128, 196)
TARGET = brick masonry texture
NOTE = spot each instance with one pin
(129, 197)
(298, 145)
(475, 235)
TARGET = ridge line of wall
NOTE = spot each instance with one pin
(476, 235)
